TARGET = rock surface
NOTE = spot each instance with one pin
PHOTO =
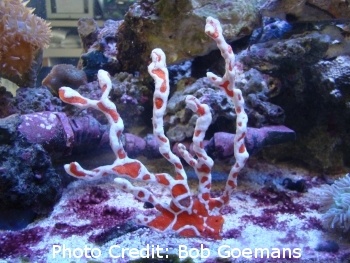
(99, 46)
(313, 92)
(177, 28)
(180, 121)
(307, 10)
(273, 55)
(27, 177)
(129, 94)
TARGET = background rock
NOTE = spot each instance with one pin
(129, 94)
(27, 177)
(306, 10)
(313, 92)
(177, 28)
(180, 121)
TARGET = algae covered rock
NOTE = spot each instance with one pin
(177, 28)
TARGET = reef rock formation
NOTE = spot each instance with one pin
(88, 30)
(129, 94)
(313, 92)
(274, 56)
(36, 100)
(22, 36)
(177, 28)
(100, 47)
(180, 122)
(28, 180)
(306, 10)
(7, 103)
(27, 101)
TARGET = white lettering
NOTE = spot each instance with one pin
(56, 249)
(297, 253)
(224, 249)
(194, 253)
(112, 253)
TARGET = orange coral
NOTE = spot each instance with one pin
(187, 214)
(23, 35)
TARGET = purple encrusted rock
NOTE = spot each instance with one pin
(36, 100)
(59, 134)
(258, 138)
(221, 145)
(134, 145)
(223, 142)
(151, 150)
(41, 127)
